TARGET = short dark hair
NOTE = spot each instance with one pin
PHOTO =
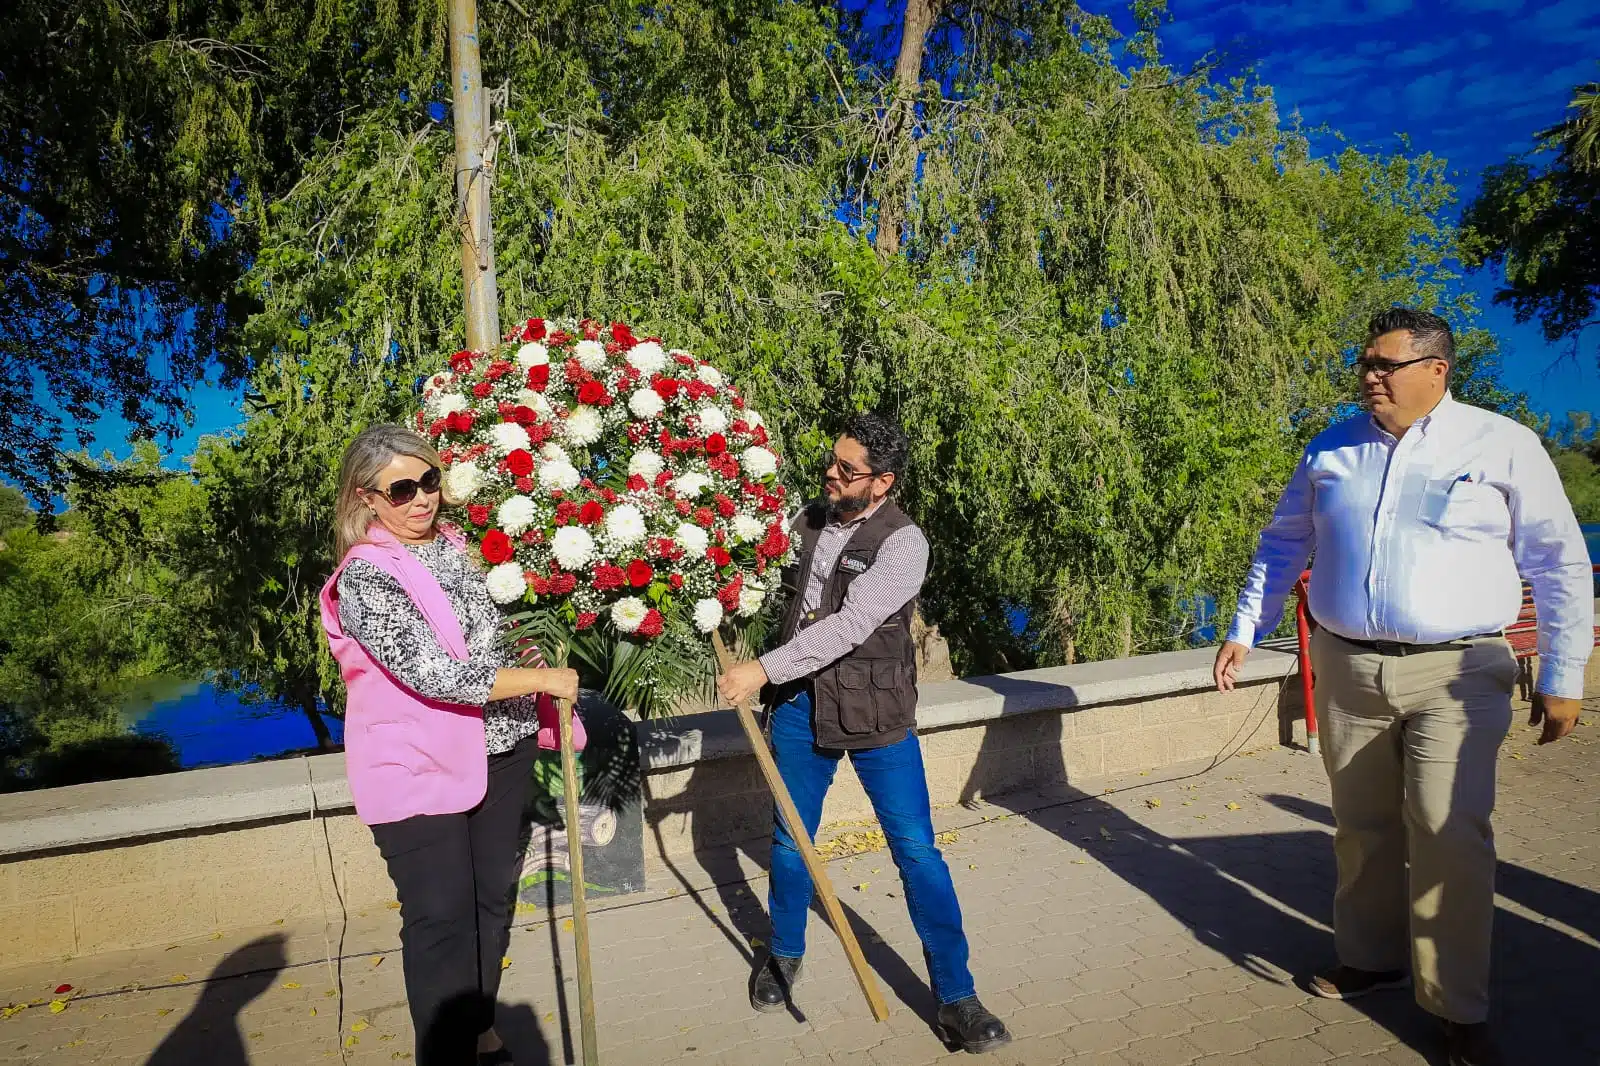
(1430, 334)
(884, 440)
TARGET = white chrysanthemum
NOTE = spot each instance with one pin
(647, 357)
(516, 515)
(691, 484)
(711, 376)
(505, 582)
(747, 528)
(751, 597)
(534, 401)
(758, 462)
(559, 476)
(646, 463)
(582, 426)
(646, 404)
(442, 404)
(707, 615)
(694, 539)
(573, 547)
(627, 614)
(532, 355)
(752, 416)
(591, 355)
(625, 525)
(712, 420)
(554, 453)
(507, 437)
(464, 480)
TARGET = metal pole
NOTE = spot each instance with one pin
(471, 115)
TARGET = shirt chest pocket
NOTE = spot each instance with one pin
(1466, 510)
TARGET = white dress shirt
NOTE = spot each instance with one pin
(1427, 539)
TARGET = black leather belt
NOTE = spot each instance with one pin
(1395, 647)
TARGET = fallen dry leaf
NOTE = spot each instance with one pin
(505, 962)
(180, 977)
(13, 1009)
(359, 1026)
(57, 1006)
(862, 887)
(351, 1041)
(1231, 806)
(291, 984)
(393, 904)
(1152, 803)
(163, 1012)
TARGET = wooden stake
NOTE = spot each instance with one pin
(580, 902)
(802, 839)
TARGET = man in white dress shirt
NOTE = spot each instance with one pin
(1425, 515)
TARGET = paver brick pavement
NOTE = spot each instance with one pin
(1161, 920)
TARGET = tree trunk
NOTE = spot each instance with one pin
(470, 114)
(900, 168)
(308, 705)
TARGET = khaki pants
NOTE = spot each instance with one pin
(1410, 744)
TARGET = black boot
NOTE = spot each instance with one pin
(967, 1025)
(774, 984)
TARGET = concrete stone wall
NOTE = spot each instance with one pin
(152, 861)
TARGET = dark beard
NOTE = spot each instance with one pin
(846, 508)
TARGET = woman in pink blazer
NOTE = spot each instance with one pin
(441, 733)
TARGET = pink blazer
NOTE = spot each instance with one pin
(404, 754)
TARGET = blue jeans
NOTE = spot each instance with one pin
(898, 788)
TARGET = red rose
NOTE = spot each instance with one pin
(676, 581)
(539, 377)
(459, 421)
(716, 444)
(587, 619)
(479, 514)
(728, 595)
(591, 514)
(704, 517)
(637, 483)
(639, 573)
(622, 335)
(534, 330)
(652, 625)
(666, 388)
(718, 556)
(664, 479)
(461, 362)
(482, 390)
(520, 462)
(496, 548)
(438, 426)
(760, 435)
(592, 393)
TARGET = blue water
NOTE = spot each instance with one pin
(207, 726)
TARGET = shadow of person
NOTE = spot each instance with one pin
(210, 1032)
(518, 1026)
(1258, 899)
(731, 837)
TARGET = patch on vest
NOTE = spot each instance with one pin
(853, 563)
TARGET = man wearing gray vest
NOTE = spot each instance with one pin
(1425, 515)
(844, 679)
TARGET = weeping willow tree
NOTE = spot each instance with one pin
(1119, 299)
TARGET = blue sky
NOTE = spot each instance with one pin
(1469, 80)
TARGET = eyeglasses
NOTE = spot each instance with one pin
(847, 473)
(1384, 367)
(402, 492)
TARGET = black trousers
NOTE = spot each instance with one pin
(453, 874)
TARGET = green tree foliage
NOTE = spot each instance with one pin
(1539, 222)
(1120, 302)
(14, 510)
(75, 638)
(135, 139)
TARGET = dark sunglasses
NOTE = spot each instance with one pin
(405, 490)
(847, 473)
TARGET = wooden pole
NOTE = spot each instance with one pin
(470, 113)
(580, 902)
(802, 840)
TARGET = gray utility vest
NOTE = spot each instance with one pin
(868, 699)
